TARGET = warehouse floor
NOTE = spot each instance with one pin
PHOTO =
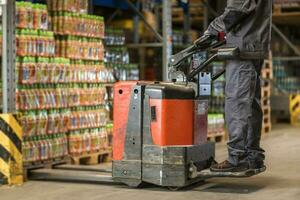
(280, 181)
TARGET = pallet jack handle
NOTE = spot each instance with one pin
(206, 42)
(203, 43)
(226, 53)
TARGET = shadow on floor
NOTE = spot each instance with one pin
(234, 188)
(214, 185)
(239, 185)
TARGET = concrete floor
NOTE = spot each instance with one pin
(280, 181)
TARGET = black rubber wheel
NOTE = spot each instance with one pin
(174, 188)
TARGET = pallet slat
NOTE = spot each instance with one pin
(286, 7)
(92, 158)
(266, 123)
(267, 73)
(265, 102)
(266, 91)
(195, 14)
(266, 128)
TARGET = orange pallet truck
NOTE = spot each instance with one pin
(160, 128)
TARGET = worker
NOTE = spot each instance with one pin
(247, 24)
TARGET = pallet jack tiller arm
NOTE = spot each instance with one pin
(205, 43)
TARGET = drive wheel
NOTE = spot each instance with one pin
(174, 188)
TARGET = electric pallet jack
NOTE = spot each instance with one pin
(160, 128)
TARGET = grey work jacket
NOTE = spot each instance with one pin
(247, 24)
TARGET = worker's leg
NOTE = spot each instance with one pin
(241, 78)
(243, 116)
(255, 153)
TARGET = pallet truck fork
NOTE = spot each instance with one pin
(160, 128)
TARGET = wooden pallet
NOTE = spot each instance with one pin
(287, 18)
(195, 14)
(217, 137)
(267, 124)
(286, 7)
(266, 91)
(92, 158)
(267, 73)
(266, 110)
(268, 63)
(265, 83)
(267, 117)
(265, 102)
(50, 163)
(267, 68)
(266, 128)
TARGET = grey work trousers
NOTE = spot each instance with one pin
(243, 113)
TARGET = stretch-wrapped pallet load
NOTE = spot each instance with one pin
(61, 77)
(79, 38)
(41, 103)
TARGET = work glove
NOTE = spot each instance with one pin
(204, 41)
(207, 39)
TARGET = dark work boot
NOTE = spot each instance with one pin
(228, 167)
(257, 165)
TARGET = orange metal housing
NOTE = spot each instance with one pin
(174, 122)
(122, 94)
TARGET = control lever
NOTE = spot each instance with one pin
(222, 54)
(218, 74)
(228, 53)
(201, 44)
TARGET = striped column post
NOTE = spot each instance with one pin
(11, 160)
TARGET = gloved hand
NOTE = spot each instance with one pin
(204, 41)
(207, 39)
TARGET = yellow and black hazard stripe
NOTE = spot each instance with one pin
(11, 160)
(294, 103)
(4, 158)
(295, 109)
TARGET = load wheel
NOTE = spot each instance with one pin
(174, 188)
